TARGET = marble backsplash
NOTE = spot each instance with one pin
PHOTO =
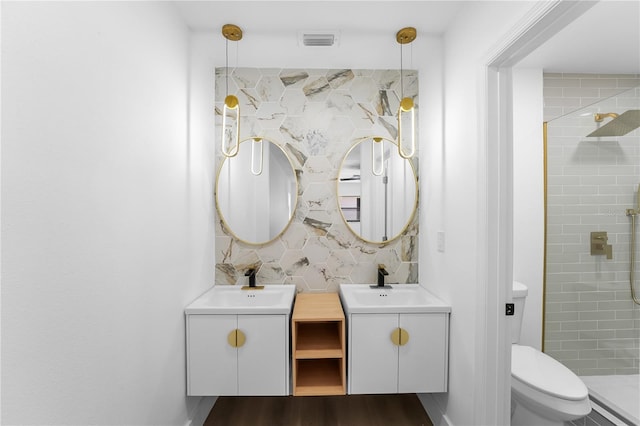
(316, 115)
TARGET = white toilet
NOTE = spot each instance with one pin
(543, 391)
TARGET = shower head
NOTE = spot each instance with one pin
(619, 126)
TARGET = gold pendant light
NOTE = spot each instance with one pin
(231, 108)
(406, 110)
(256, 156)
(377, 156)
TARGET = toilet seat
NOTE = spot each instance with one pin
(539, 371)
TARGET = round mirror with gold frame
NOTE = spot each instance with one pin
(256, 191)
(377, 190)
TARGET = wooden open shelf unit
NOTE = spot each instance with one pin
(318, 345)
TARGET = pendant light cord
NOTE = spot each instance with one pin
(226, 66)
(401, 75)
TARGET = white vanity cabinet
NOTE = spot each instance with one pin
(397, 352)
(222, 361)
(238, 341)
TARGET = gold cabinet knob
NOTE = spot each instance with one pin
(395, 336)
(399, 336)
(236, 338)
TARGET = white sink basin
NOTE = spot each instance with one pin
(229, 299)
(400, 298)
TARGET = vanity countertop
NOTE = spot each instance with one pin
(397, 298)
(230, 299)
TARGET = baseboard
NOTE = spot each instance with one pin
(434, 411)
(201, 411)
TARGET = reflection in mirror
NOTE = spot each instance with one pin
(377, 208)
(256, 197)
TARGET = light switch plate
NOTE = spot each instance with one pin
(440, 241)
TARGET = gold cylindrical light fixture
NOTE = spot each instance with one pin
(231, 108)
(256, 156)
(377, 156)
(406, 110)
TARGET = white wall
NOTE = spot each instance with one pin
(528, 198)
(106, 204)
(455, 165)
(106, 194)
(0, 218)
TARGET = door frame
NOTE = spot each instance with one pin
(543, 21)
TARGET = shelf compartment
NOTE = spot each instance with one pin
(318, 345)
(319, 340)
(319, 377)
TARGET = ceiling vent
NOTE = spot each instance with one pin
(318, 38)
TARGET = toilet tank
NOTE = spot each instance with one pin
(519, 295)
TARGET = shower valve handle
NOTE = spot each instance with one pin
(599, 244)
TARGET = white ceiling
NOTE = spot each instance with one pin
(292, 16)
(606, 39)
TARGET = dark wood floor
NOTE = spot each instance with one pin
(351, 410)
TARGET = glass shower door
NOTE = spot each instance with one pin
(591, 323)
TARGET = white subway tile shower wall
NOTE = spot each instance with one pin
(316, 115)
(565, 93)
(591, 324)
